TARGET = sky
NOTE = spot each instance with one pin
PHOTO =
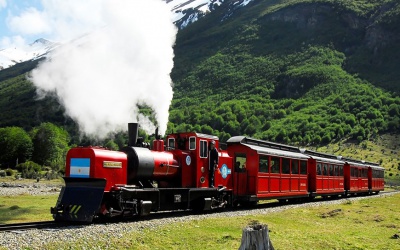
(24, 21)
(115, 54)
(21, 22)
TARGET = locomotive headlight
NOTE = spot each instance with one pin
(202, 179)
(202, 169)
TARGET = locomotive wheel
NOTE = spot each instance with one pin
(248, 204)
(197, 205)
(235, 203)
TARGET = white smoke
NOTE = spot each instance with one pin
(124, 58)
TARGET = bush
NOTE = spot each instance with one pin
(2, 173)
(50, 175)
(9, 172)
(29, 165)
(29, 170)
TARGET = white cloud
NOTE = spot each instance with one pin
(125, 59)
(58, 20)
(29, 22)
(14, 41)
(3, 4)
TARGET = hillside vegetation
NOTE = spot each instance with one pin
(305, 72)
(290, 71)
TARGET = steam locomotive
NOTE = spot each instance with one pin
(101, 183)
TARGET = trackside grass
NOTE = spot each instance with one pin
(26, 208)
(364, 224)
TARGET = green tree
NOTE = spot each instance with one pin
(394, 110)
(15, 146)
(50, 145)
(110, 144)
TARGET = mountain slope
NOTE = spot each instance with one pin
(290, 71)
(366, 32)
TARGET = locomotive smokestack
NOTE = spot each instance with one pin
(132, 133)
(158, 137)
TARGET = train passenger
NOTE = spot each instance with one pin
(213, 163)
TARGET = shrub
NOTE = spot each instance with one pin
(29, 170)
(28, 166)
(9, 172)
(50, 175)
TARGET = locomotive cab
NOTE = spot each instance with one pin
(193, 150)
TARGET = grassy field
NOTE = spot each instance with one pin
(364, 224)
(25, 208)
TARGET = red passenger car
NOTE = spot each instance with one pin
(266, 170)
(325, 175)
(355, 177)
(376, 182)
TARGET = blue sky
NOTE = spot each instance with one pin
(12, 29)
(24, 21)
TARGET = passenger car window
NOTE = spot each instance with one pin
(263, 164)
(319, 169)
(275, 165)
(326, 169)
(295, 166)
(303, 167)
(240, 162)
(285, 166)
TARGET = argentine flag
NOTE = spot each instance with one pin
(80, 167)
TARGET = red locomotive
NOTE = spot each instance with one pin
(136, 180)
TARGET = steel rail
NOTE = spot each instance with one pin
(30, 225)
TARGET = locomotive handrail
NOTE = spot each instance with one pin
(168, 165)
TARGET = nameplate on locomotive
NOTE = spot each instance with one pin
(112, 164)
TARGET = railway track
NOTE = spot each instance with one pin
(30, 225)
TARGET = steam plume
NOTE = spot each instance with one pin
(124, 59)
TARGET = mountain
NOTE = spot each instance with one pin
(34, 51)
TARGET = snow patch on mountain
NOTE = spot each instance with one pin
(189, 11)
(35, 50)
